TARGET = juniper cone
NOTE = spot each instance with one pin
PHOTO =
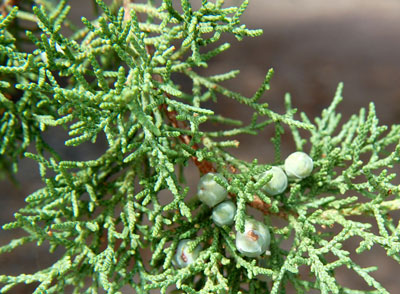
(106, 219)
(183, 256)
(254, 240)
(278, 182)
(224, 213)
(298, 165)
(209, 191)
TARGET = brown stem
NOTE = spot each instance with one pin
(204, 166)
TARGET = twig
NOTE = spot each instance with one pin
(204, 166)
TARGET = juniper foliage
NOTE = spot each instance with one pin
(114, 76)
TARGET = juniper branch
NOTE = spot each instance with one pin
(113, 77)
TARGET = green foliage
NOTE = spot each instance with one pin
(116, 76)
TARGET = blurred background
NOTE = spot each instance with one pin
(312, 45)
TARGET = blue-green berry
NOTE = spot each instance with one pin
(182, 256)
(298, 165)
(278, 182)
(209, 191)
(255, 239)
(224, 213)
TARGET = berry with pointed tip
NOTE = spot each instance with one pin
(182, 256)
(255, 239)
(209, 191)
(298, 165)
(278, 182)
(224, 213)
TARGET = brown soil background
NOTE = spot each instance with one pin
(312, 45)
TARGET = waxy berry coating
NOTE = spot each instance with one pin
(209, 191)
(278, 182)
(298, 165)
(255, 239)
(182, 256)
(224, 213)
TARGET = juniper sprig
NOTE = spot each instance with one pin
(117, 75)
